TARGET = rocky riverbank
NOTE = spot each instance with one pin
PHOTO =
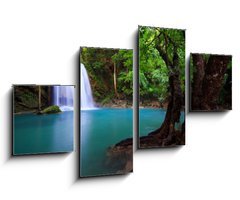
(116, 103)
(152, 104)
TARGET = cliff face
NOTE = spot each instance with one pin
(26, 98)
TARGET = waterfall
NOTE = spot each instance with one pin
(63, 97)
(86, 92)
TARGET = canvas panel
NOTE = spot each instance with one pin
(106, 79)
(211, 82)
(42, 119)
(161, 87)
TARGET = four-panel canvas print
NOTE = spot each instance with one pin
(43, 114)
(106, 90)
(42, 119)
(211, 82)
(161, 87)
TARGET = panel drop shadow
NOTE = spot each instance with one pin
(77, 122)
(159, 151)
(135, 90)
(9, 124)
(95, 179)
(209, 114)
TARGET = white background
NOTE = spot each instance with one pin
(39, 44)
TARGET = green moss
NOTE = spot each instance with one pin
(51, 109)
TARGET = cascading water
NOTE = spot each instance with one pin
(86, 92)
(63, 97)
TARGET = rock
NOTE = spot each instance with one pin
(122, 153)
(50, 110)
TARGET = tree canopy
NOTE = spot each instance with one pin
(156, 52)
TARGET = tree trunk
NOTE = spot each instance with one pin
(167, 130)
(49, 95)
(39, 98)
(166, 134)
(115, 79)
(213, 80)
(198, 76)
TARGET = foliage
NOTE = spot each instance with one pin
(153, 70)
(26, 97)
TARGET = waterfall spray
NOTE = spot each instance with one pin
(86, 92)
(63, 97)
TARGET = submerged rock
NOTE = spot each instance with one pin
(50, 110)
(121, 153)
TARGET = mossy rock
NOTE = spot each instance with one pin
(51, 110)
